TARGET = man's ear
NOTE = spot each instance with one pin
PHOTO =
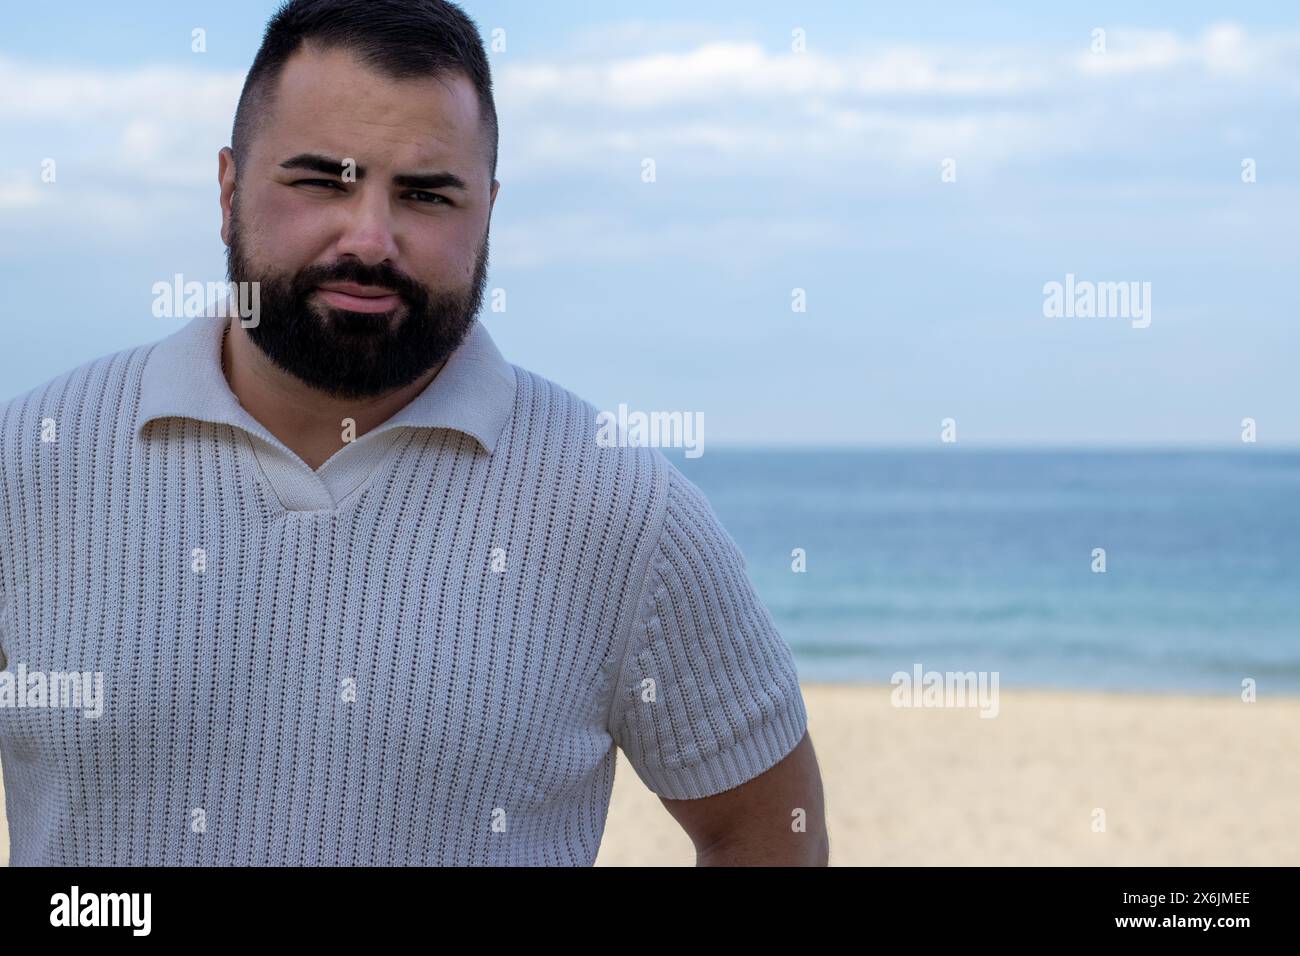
(226, 179)
(496, 184)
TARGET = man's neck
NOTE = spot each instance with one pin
(308, 422)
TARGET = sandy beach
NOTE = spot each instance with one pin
(1183, 780)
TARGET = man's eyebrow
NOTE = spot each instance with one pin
(334, 167)
(320, 164)
(430, 181)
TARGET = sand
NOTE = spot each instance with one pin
(1182, 780)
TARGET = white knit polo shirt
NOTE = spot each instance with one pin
(425, 652)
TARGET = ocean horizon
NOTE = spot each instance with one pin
(978, 559)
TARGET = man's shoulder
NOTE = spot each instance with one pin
(547, 413)
(559, 434)
(97, 388)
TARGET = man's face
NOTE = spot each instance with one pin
(365, 285)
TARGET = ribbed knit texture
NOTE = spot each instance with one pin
(487, 703)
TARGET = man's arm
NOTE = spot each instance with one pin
(756, 823)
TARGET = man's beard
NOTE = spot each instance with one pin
(354, 354)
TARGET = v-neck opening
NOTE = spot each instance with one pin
(298, 488)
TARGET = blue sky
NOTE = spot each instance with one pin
(777, 170)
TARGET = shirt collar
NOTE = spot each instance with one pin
(474, 393)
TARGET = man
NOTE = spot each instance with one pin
(359, 590)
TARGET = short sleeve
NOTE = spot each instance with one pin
(707, 695)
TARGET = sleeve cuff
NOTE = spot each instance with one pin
(764, 747)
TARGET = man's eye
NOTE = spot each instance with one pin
(318, 182)
(432, 199)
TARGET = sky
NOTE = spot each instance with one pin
(920, 171)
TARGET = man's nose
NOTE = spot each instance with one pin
(368, 229)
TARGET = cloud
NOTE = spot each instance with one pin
(18, 190)
(1221, 49)
(626, 37)
(723, 72)
(163, 94)
(886, 107)
(724, 108)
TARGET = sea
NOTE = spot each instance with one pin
(1125, 570)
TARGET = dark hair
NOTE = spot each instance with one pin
(399, 38)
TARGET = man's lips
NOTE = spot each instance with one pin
(359, 298)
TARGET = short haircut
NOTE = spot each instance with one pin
(398, 38)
